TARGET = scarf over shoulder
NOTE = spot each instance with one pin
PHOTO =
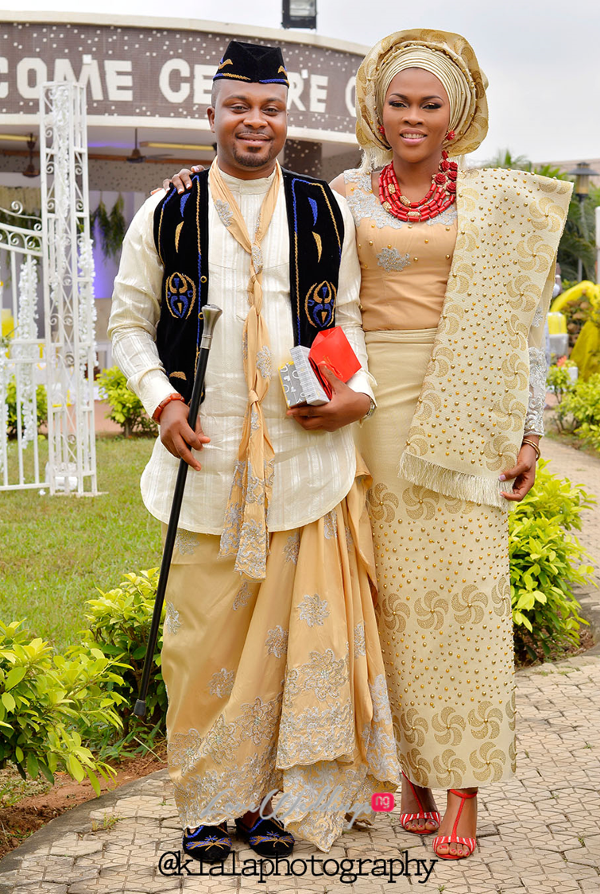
(468, 423)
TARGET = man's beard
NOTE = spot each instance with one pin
(252, 160)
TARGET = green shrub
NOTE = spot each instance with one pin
(580, 409)
(47, 700)
(127, 409)
(11, 406)
(559, 381)
(590, 435)
(554, 498)
(546, 562)
(119, 624)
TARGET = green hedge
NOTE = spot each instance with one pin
(119, 624)
(49, 702)
(546, 563)
(578, 408)
(126, 409)
(11, 407)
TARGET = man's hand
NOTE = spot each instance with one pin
(182, 180)
(345, 406)
(523, 473)
(177, 436)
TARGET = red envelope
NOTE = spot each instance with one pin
(333, 348)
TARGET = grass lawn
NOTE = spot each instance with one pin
(54, 551)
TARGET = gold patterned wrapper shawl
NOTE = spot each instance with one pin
(468, 423)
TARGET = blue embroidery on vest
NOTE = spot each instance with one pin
(315, 209)
(184, 199)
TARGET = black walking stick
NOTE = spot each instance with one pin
(211, 314)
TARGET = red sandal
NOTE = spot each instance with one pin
(470, 843)
(432, 816)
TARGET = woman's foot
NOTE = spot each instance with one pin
(419, 813)
(458, 829)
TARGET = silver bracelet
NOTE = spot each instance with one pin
(370, 411)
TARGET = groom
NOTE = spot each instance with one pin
(262, 522)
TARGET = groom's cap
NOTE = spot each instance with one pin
(252, 63)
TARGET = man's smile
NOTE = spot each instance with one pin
(253, 139)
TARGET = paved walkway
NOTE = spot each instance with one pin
(539, 833)
(581, 468)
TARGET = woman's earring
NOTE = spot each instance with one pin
(450, 135)
(381, 129)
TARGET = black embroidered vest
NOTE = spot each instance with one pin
(316, 229)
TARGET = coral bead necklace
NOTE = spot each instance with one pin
(441, 195)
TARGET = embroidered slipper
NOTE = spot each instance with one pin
(209, 844)
(431, 816)
(469, 843)
(267, 837)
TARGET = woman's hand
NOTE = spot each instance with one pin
(523, 473)
(182, 180)
(177, 436)
(345, 406)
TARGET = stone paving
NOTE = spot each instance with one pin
(538, 833)
(581, 468)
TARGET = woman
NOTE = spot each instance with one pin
(457, 273)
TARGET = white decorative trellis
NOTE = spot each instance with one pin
(66, 363)
(21, 248)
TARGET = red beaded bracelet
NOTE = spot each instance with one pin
(158, 411)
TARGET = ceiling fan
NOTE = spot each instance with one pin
(136, 156)
(31, 170)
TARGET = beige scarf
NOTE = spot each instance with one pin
(468, 423)
(245, 532)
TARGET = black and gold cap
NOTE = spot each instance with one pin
(252, 63)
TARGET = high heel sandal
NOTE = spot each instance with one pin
(470, 843)
(432, 816)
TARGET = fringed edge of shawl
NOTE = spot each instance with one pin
(460, 485)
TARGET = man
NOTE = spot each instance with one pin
(271, 657)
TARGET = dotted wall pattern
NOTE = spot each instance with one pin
(149, 72)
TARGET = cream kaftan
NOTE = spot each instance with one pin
(313, 470)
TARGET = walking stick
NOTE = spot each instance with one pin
(211, 314)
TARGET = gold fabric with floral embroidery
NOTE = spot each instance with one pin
(444, 611)
(279, 685)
